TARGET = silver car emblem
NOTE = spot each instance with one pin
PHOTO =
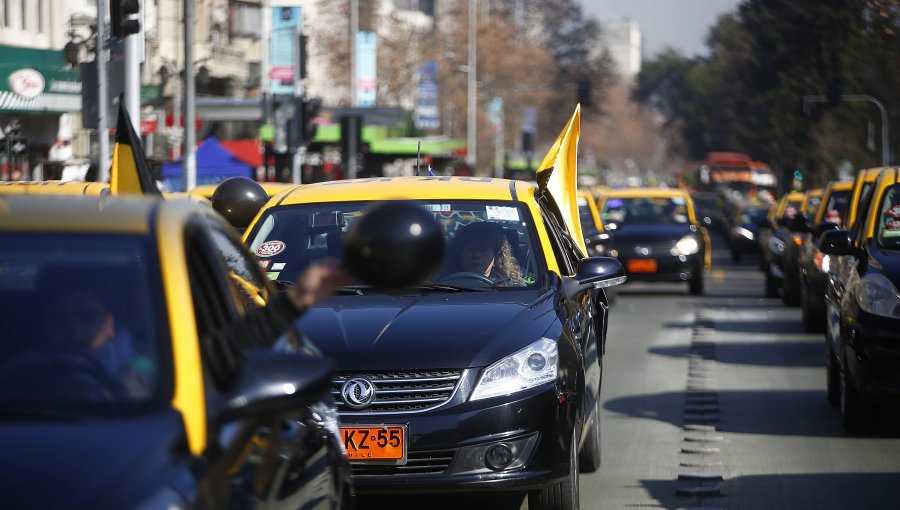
(358, 392)
(642, 250)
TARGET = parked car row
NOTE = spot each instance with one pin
(834, 253)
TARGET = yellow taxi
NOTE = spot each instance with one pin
(656, 235)
(116, 358)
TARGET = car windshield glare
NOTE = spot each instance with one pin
(645, 211)
(78, 319)
(490, 244)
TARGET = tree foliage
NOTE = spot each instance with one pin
(748, 94)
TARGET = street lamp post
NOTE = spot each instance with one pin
(471, 153)
(885, 148)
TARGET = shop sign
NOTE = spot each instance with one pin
(26, 83)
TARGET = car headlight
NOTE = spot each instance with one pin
(776, 244)
(877, 295)
(687, 245)
(823, 262)
(743, 232)
(529, 367)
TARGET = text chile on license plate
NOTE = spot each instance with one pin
(385, 443)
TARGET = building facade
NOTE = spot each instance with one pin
(623, 41)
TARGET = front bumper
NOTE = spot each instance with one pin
(446, 447)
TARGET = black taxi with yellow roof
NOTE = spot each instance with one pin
(656, 235)
(107, 305)
(863, 307)
(485, 377)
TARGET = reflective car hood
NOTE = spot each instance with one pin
(649, 233)
(90, 463)
(426, 331)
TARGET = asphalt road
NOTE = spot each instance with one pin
(718, 402)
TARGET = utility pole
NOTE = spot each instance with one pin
(134, 55)
(102, 94)
(190, 134)
(353, 147)
(471, 153)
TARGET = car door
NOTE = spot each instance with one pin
(263, 460)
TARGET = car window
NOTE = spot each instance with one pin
(791, 209)
(587, 219)
(287, 239)
(837, 204)
(645, 211)
(888, 227)
(81, 321)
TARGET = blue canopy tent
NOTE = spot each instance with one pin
(214, 164)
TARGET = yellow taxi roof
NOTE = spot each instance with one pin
(54, 188)
(408, 188)
(119, 214)
(271, 188)
(645, 192)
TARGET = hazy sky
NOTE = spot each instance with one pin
(682, 24)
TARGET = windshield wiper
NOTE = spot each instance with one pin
(350, 290)
(443, 287)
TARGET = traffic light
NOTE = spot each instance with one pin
(798, 174)
(303, 55)
(123, 17)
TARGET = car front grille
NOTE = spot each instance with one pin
(417, 463)
(399, 392)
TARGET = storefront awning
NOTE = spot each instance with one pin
(37, 81)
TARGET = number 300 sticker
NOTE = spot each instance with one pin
(270, 248)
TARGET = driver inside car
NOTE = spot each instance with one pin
(483, 248)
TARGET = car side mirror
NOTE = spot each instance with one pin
(597, 272)
(272, 382)
(836, 242)
(825, 226)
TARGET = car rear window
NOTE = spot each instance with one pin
(645, 211)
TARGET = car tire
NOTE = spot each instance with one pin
(857, 415)
(565, 495)
(695, 284)
(790, 295)
(735, 255)
(832, 379)
(589, 457)
(771, 286)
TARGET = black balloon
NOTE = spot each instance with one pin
(395, 245)
(238, 199)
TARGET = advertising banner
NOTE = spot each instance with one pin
(286, 23)
(428, 115)
(365, 69)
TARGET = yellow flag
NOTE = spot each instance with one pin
(562, 161)
(130, 171)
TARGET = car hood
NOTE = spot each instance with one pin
(628, 234)
(90, 463)
(427, 331)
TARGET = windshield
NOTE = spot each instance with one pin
(645, 211)
(837, 204)
(495, 240)
(812, 205)
(888, 231)
(79, 322)
(791, 209)
(753, 216)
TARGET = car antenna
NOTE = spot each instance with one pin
(418, 157)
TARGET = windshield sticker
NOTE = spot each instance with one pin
(496, 212)
(270, 248)
(272, 275)
(437, 207)
(833, 215)
(892, 221)
(264, 264)
(894, 211)
(678, 200)
(278, 266)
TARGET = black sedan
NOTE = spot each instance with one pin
(863, 307)
(656, 235)
(486, 376)
(743, 236)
